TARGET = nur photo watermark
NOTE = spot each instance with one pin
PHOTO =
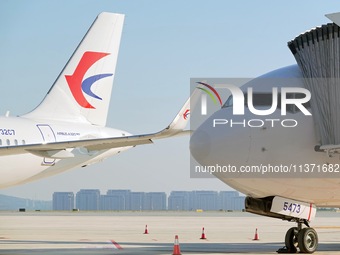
(256, 128)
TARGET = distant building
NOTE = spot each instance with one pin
(206, 200)
(115, 200)
(88, 199)
(137, 201)
(226, 199)
(179, 201)
(14, 203)
(63, 201)
(238, 203)
(155, 201)
(231, 200)
(121, 199)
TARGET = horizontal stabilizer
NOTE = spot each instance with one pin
(335, 17)
(58, 149)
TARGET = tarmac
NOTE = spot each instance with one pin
(73, 233)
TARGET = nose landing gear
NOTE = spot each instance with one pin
(303, 239)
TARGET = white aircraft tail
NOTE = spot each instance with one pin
(82, 91)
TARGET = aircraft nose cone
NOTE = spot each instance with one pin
(200, 145)
(221, 144)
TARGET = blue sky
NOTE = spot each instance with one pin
(164, 44)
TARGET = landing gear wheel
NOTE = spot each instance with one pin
(291, 240)
(307, 240)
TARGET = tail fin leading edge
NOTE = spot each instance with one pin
(82, 91)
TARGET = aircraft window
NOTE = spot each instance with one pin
(229, 102)
(261, 99)
(23, 142)
(266, 99)
(0, 142)
(292, 108)
(15, 142)
(8, 142)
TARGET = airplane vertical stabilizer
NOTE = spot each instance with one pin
(82, 91)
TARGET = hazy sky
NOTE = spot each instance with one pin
(164, 44)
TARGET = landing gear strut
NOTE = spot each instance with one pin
(304, 239)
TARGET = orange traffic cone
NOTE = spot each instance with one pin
(203, 234)
(256, 237)
(177, 249)
(146, 230)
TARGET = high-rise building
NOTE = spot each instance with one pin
(238, 203)
(63, 201)
(88, 199)
(179, 201)
(119, 200)
(226, 200)
(137, 201)
(155, 201)
(115, 200)
(206, 200)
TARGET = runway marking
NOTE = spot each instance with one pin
(116, 245)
